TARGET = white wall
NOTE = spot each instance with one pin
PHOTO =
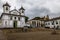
(11, 23)
(5, 17)
(6, 22)
(52, 26)
(49, 24)
(4, 9)
(18, 23)
(22, 22)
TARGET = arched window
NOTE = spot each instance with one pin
(19, 18)
(56, 22)
(22, 11)
(11, 18)
(15, 17)
(6, 8)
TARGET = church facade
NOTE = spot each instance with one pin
(12, 18)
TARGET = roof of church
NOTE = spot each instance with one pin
(21, 8)
(11, 15)
(6, 4)
(14, 10)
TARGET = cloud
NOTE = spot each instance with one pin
(38, 12)
(36, 7)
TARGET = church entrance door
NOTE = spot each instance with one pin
(15, 24)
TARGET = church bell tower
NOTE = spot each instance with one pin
(21, 10)
(6, 8)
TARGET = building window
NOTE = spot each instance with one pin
(11, 18)
(22, 11)
(48, 23)
(56, 22)
(53, 23)
(18, 18)
(6, 8)
(15, 17)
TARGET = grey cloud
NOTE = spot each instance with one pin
(1, 4)
(37, 7)
(38, 12)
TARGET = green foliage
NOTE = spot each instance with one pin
(37, 18)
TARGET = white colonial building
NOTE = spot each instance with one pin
(12, 18)
(53, 23)
(38, 21)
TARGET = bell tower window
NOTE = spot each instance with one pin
(6, 8)
(22, 11)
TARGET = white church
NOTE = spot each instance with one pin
(12, 18)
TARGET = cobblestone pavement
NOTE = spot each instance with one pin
(33, 36)
(2, 35)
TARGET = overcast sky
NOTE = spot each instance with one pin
(35, 7)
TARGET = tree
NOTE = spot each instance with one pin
(37, 18)
(26, 19)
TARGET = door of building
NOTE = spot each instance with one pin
(15, 24)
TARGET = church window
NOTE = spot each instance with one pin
(18, 18)
(11, 18)
(15, 17)
(22, 11)
(6, 8)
